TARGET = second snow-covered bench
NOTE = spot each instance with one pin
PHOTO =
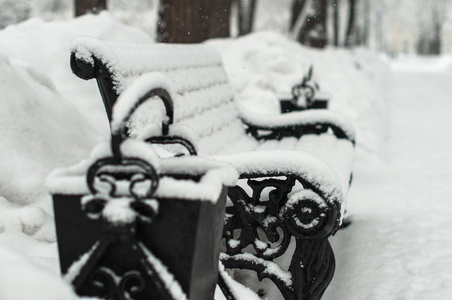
(306, 95)
(295, 169)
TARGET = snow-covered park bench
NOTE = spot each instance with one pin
(294, 169)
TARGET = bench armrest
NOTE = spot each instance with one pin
(315, 173)
(297, 124)
(271, 212)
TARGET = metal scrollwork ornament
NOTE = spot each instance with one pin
(266, 218)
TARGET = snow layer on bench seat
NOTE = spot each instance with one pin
(141, 86)
(337, 153)
(287, 162)
(210, 126)
(198, 85)
(208, 114)
(127, 60)
(227, 140)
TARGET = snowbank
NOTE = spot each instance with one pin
(40, 131)
(48, 119)
(45, 47)
(21, 278)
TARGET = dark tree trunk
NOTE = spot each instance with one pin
(435, 45)
(380, 31)
(219, 17)
(297, 7)
(350, 34)
(89, 6)
(246, 11)
(430, 36)
(193, 21)
(336, 22)
(313, 32)
(366, 33)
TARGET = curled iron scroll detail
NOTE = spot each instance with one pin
(266, 218)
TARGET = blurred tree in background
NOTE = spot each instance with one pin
(14, 11)
(395, 26)
(194, 21)
(89, 6)
(350, 36)
(311, 21)
(51, 9)
(432, 16)
(246, 12)
(314, 23)
(308, 21)
(335, 9)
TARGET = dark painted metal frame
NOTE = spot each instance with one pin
(251, 221)
(307, 88)
(113, 258)
(123, 260)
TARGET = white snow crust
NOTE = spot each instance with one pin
(307, 166)
(271, 268)
(238, 290)
(125, 64)
(337, 154)
(214, 175)
(138, 89)
(77, 266)
(168, 279)
(307, 117)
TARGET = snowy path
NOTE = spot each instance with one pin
(400, 245)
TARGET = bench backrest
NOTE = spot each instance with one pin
(197, 77)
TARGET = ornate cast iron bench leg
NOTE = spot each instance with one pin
(268, 225)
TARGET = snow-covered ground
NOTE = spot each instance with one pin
(396, 247)
(399, 245)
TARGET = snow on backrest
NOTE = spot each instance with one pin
(203, 95)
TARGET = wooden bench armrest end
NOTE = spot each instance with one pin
(313, 173)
